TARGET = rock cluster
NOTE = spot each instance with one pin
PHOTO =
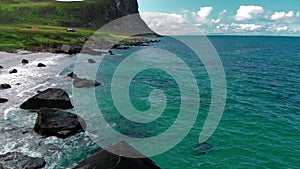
(20, 161)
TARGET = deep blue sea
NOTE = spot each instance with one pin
(259, 128)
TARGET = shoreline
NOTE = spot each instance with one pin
(75, 49)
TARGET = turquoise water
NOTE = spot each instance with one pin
(259, 128)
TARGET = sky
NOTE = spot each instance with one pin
(243, 17)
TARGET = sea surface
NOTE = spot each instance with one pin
(259, 128)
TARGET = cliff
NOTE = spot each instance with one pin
(40, 25)
(90, 14)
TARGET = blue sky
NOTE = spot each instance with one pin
(263, 17)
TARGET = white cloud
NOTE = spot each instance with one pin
(169, 24)
(283, 16)
(223, 27)
(283, 28)
(202, 15)
(204, 12)
(216, 20)
(247, 12)
(220, 17)
(223, 12)
(246, 27)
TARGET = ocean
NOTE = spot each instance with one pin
(259, 128)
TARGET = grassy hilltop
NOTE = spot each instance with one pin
(40, 25)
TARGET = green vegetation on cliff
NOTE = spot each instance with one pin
(89, 13)
(40, 25)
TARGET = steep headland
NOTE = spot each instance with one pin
(41, 25)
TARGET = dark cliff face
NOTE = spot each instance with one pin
(119, 8)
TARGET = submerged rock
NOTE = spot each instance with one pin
(203, 148)
(20, 161)
(104, 159)
(5, 86)
(50, 98)
(84, 83)
(3, 100)
(1, 67)
(24, 61)
(13, 71)
(59, 123)
(91, 61)
(72, 75)
(41, 65)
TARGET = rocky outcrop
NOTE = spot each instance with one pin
(41, 65)
(3, 100)
(82, 82)
(91, 61)
(59, 123)
(85, 83)
(13, 71)
(20, 161)
(24, 61)
(119, 8)
(50, 98)
(104, 159)
(5, 86)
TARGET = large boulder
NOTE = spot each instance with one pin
(20, 161)
(3, 100)
(104, 159)
(50, 98)
(4, 86)
(59, 123)
(13, 71)
(41, 65)
(25, 61)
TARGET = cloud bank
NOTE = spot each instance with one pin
(249, 19)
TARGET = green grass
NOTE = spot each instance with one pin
(17, 18)
(14, 37)
(51, 12)
(23, 36)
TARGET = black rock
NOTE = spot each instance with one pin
(1, 67)
(59, 123)
(4, 86)
(20, 161)
(24, 61)
(13, 71)
(41, 65)
(104, 159)
(110, 52)
(91, 61)
(50, 98)
(84, 83)
(72, 75)
(202, 148)
(3, 100)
